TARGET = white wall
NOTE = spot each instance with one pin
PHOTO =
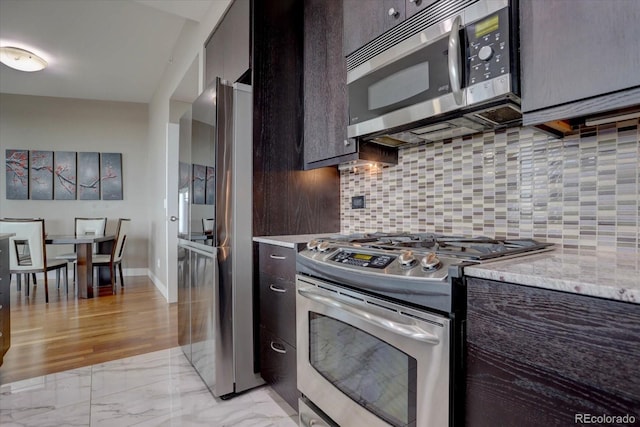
(189, 46)
(62, 124)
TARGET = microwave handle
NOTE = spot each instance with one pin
(455, 60)
(406, 330)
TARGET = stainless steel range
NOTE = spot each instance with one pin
(380, 321)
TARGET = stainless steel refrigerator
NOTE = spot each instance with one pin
(215, 268)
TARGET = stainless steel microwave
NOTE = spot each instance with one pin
(451, 70)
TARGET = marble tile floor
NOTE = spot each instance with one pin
(154, 389)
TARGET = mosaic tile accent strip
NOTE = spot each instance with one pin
(580, 192)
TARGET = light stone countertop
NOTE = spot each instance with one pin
(290, 241)
(610, 275)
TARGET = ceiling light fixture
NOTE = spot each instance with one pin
(21, 59)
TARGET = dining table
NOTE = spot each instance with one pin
(84, 251)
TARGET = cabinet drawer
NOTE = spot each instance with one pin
(278, 307)
(277, 261)
(278, 366)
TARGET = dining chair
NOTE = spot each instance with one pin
(31, 233)
(207, 229)
(84, 226)
(23, 252)
(114, 259)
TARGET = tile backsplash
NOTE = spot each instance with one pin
(579, 192)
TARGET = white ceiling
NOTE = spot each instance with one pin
(114, 50)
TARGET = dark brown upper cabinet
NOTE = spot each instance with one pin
(579, 58)
(325, 83)
(366, 20)
(326, 114)
(227, 52)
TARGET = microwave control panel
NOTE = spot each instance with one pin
(488, 47)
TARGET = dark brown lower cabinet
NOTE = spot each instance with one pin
(538, 357)
(278, 366)
(276, 279)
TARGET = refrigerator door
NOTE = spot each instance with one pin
(203, 315)
(236, 341)
(223, 239)
(184, 191)
(184, 301)
(203, 152)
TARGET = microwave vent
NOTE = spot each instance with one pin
(501, 115)
(429, 16)
(390, 141)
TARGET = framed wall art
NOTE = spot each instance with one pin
(17, 174)
(89, 176)
(64, 175)
(111, 176)
(41, 175)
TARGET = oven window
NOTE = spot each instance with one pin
(373, 373)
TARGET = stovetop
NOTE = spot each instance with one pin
(473, 249)
(410, 267)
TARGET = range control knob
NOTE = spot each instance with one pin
(485, 53)
(430, 261)
(323, 246)
(406, 259)
(312, 245)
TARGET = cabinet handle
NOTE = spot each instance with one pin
(347, 143)
(273, 256)
(311, 422)
(278, 350)
(277, 289)
(394, 13)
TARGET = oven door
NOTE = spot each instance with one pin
(368, 362)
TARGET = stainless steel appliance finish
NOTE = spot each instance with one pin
(391, 359)
(453, 77)
(217, 279)
(403, 290)
(418, 264)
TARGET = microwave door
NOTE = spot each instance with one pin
(413, 88)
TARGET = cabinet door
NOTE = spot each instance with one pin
(537, 357)
(278, 366)
(362, 22)
(393, 13)
(573, 50)
(366, 20)
(236, 45)
(415, 6)
(228, 48)
(277, 261)
(325, 83)
(214, 57)
(278, 307)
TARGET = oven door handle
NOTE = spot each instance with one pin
(408, 330)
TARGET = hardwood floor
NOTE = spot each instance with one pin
(69, 333)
